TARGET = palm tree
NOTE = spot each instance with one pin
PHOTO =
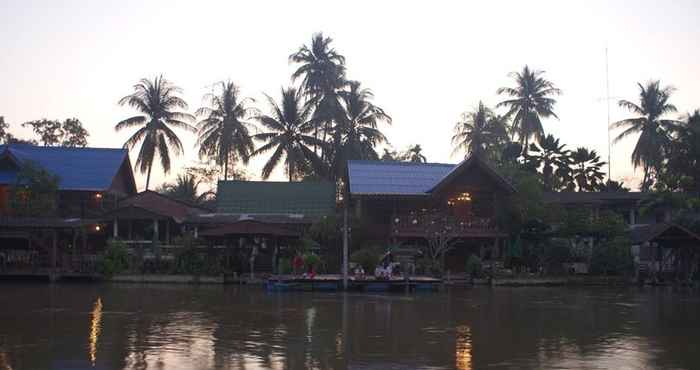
(414, 154)
(479, 132)
(322, 70)
(555, 161)
(683, 166)
(528, 102)
(290, 134)
(159, 102)
(586, 169)
(356, 134)
(185, 188)
(223, 133)
(652, 128)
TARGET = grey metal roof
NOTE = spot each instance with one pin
(395, 178)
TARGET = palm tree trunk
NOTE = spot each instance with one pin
(148, 176)
(289, 170)
(645, 187)
(226, 168)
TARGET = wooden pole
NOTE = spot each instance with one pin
(345, 241)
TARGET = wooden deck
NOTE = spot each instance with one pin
(335, 282)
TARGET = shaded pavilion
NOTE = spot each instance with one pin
(666, 248)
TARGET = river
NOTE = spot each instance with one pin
(115, 326)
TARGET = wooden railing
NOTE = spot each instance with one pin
(419, 224)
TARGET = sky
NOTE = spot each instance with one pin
(426, 62)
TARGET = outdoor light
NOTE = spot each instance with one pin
(396, 220)
(415, 222)
(98, 196)
(97, 227)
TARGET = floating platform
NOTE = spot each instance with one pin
(335, 282)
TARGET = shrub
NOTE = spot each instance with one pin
(284, 266)
(474, 266)
(115, 260)
(190, 262)
(312, 259)
(367, 257)
(612, 257)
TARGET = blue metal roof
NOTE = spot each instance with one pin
(77, 168)
(395, 178)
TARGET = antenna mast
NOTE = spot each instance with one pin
(607, 92)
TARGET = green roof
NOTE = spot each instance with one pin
(311, 199)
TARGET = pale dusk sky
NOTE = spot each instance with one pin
(426, 62)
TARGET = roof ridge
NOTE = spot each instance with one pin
(44, 147)
(399, 163)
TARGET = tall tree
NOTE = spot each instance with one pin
(479, 132)
(652, 127)
(289, 134)
(357, 131)
(159, 103)
(528, 102)
(223, 133)
(322, 70)
(586, 169)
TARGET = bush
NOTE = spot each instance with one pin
(312, 259)
(426, 266)
(115, 260)
(190, 262)
(367, 257)
(612, 257)
(474, 266)
(284, 266)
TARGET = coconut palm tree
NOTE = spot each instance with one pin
(479, 132)
(159, 103)
(356, 133)
(322, 70)
(650, 124)
(586, 169)
(555, 161)
(223, 132)
(290, 134)
(414, 154)
(528, 102)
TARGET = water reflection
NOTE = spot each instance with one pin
(193, 328)
(95, 328)
(463, 350)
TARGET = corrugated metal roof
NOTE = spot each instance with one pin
(78, 168)
(395, 178)
(311, 199)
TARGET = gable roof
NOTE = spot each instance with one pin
(394, 178)
(648, 233)
(407, 178)
(308, 198)
(87, 169)
(158, 204)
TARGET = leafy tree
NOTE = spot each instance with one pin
(322, 70)
(414, 154)
(69, 133)
(185, 188)
(50, 132)
(290, 135)
(34, 192)
(4, 126)
(223, 133)
(9, 139)
(528, 102)
(479, 132)
(586, 169)
(613, 186)
(74, 134)
(159, 103)
(652, 127)
(682, 171)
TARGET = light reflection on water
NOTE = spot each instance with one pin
(216, 327)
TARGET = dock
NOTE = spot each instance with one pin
(367, 284)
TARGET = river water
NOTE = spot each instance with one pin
(113, 326)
